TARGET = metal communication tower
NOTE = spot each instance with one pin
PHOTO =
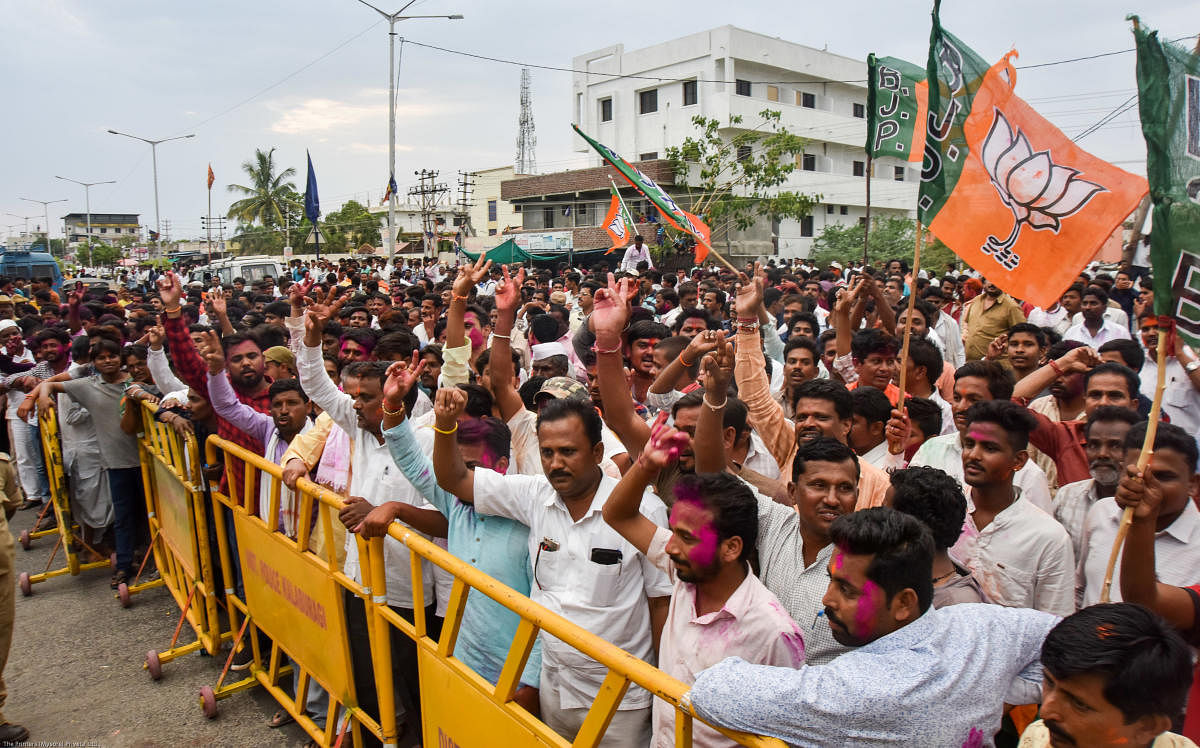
(526, 138)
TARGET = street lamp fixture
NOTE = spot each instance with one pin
(87, 198)
(46, 217)
(154, 157)
(392, 18)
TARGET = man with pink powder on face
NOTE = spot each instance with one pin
(916, 675)
(719, 608)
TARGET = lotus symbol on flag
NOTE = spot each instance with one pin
(1038, 191)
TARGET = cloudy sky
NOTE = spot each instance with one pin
(312, 74)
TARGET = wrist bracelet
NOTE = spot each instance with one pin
(684, 361)
(710, 406)
(598, 349)
(173, 310)
(446, 432)
(393, 413)
(502, 337)
(456, 297)
(1057, 370)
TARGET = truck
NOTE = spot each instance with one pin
(30, 261)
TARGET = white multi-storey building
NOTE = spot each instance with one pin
(727, 72)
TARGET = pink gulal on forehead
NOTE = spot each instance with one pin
(696, 516)
(978, 436)
(867, 606)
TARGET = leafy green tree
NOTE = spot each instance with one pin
(733, 179)
(104, 254)
(349, 227)
(269, 194)
(891, 238)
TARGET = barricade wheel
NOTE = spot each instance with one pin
(26, 541)
(208, 701)
(123, 594)
(153, 665)
(26, 584)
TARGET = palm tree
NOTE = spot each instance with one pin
(269, 195)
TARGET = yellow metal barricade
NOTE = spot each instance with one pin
(60, 501)
(177, 508)
(293, 596)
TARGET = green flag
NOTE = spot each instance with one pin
(955, 73)
(1169, 102)
(897, 105)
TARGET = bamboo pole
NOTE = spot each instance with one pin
(867, 222)
(912, 300)
(1143, 459)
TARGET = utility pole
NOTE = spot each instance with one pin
(428, 194)
(87, 199)
(526, 161)
(46, 217)
(392, 18)
(208, 223)
(462, 211)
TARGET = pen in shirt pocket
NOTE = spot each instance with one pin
(820, 614)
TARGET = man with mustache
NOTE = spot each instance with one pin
(1021, 556)
(1177, 523)
(985, 317)
(915, 676)
(1104, 445)
(582, 568)
(719, 607)
(1113, 675)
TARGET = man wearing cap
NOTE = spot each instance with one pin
(6, 307)
(279, 363)
(636, 253)
(550, 360)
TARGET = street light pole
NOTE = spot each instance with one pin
(154, 158)
(46, 217)
(392, 18)
(23, 218)
(87, 199)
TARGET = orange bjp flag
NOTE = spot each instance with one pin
(211, 177)
(1029, 208)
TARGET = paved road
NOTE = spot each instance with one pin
(75, 671)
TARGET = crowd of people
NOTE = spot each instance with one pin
(717, 472)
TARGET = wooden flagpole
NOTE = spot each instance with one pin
(867, 221)
(912, 300)
(1143, 459)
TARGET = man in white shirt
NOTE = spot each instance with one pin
(1177, 527)
(374, 480)
(978, 381)
(1095, 328)
(1021, 556)
(1181, 396)
(637, 252)
(582, 568)
(872, 410)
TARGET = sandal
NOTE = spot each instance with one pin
(280, 719)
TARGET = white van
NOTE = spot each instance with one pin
(251, 268)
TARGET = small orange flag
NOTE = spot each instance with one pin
(211, 177)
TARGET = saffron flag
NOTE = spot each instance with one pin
(677, 217)
(1169, 103)
(1004, 188)
(897, 106)
(618, 223)
(211, 177)
(391, 188)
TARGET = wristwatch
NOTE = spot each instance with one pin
(1191, 366)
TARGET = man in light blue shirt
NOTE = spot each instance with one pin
(497, 546)
(919, 676)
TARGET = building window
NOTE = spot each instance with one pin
(689, 93)
(860, 111)
(845, 210)
(808, 162)
(743, 153)
(548, 217)
(829, 209)
(606, 110)
(860, 168)
(491, 232)
(808, 100)
(806, 226)
(648, 101)
(103, 231)
(648, 156)
(742, 87)
(772, 93)
(491, 210)
(898, 173)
